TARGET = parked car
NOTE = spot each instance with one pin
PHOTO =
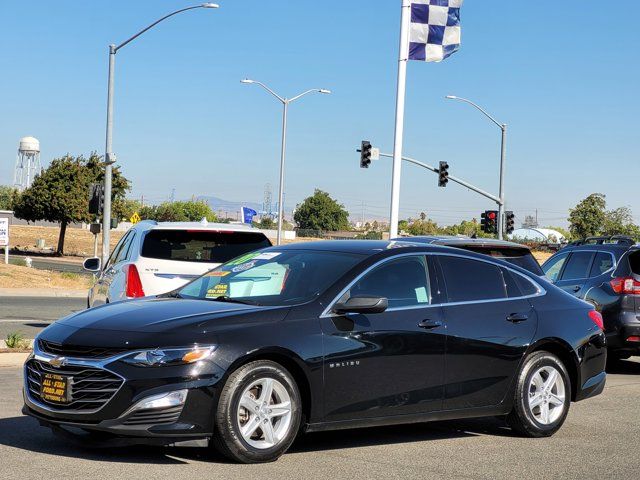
(320, 336)
(604, 271)
(514, 253)
(154, 258)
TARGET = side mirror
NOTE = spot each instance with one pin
(92, 264)
(362, 304)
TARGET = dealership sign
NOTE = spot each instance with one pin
(4, 232)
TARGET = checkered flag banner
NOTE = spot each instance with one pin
(435, 29)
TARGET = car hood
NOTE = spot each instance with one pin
(161, 315)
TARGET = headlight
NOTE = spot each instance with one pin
(170, 356)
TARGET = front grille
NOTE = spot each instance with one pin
(76, 351)
(155, 416)
(90, 388)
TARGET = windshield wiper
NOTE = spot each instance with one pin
(226, 298)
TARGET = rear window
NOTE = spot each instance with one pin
(201, 245)
(520, 257)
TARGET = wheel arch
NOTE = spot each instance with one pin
(294, 365)
(561, 349)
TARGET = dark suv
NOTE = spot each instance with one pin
(604, 271)
(514, 253)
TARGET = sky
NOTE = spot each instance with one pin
(562, 75)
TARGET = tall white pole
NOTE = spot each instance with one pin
(405, 24)
(503, 157)
(283, 155)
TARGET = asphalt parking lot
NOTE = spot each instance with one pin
(30, 315)
(599, 440)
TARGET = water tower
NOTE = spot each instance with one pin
(27, 163)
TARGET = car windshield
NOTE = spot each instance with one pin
(272, 277)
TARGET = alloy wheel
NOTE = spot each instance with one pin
(264, 413)
(546, 395)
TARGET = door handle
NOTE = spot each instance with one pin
(576, 288)
(517, 317)
(430, 324)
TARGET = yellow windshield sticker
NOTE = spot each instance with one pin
(219, 290)
(218, 273)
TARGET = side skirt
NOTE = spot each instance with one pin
(412, 418)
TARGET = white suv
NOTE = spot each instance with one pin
(154, 258)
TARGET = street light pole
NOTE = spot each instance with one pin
(109, 157)
(283, 152)
(503, 158)
(283, 155)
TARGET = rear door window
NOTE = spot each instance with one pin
(469, 280)
(601, 264)
(578, 266)
(201, 245)
(517, 285)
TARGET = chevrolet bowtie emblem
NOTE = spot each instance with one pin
(58, 362)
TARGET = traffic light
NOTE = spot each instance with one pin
(96, 198)
(488, 221)
(443, 174)
(365, 154)
(510, 223)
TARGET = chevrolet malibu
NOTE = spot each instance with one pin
(320, 336)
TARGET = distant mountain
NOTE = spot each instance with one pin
(219, 204)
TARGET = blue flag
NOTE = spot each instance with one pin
(248, 214)
(435, 29)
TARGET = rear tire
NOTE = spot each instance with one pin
(542, 396)
(258, 414)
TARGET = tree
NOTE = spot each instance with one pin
(61, 193)
(189, 211)
(321, 212)
(588, 216)
(7, 197)
(265, 223)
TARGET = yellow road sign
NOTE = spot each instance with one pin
(135, 218)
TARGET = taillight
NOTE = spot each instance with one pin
(597, 319)
(134, 284)
(635, 339)
(625, 286)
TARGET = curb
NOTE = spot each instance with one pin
(42, 292)
(12, 359)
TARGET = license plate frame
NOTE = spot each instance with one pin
(54, 388)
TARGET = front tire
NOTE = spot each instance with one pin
(258, 414)
(542, 397)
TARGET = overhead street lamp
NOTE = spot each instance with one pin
(503, 157)
(109, 157)
(285, 102)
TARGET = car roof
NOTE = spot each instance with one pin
(226, 227)
(602, 247)
(462, 241)
(370, 247)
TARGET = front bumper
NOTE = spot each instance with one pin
(191, 420)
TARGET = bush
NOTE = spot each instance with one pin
(16, 340)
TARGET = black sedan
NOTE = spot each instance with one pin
(320, 336)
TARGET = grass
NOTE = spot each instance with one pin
(15, 340)
(15, 276)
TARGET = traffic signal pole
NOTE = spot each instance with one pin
(503, 157)
(457, 180)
